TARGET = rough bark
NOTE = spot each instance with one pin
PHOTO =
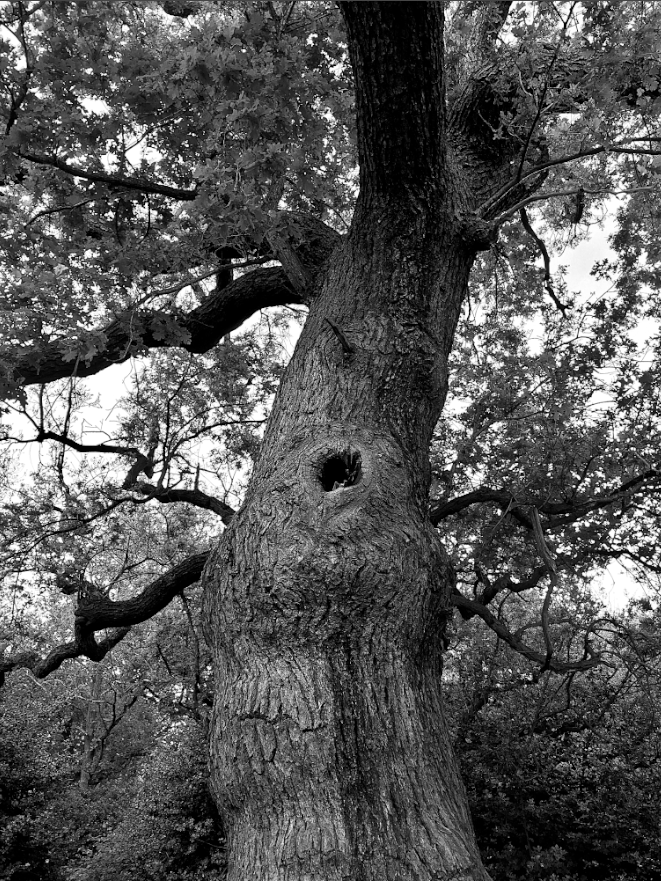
(329, 592)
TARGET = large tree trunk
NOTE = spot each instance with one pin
(328, 595)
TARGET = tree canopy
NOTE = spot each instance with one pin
(176, 179)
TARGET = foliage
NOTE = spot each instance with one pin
(563, 773)
(24, 853)
(169, 828)
(83, 792)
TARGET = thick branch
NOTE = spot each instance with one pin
(491, 589)
(488, 21)
(42, 667)
(303, 244)
(190, 496)
(96, 612)
(503, 498)
(223, 311)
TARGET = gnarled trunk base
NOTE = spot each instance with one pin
(330, 756)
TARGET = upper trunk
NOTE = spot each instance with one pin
(397, 56)
(329, 592)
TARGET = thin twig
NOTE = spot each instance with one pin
(545, 554)
(547, 261)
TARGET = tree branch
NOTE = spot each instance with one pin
(97, 612)
(223, 311)
(504, 582)
(503, 498)
(573, 191)
(42, 667)
(128, 183)
(548, 283)
(83, 448)
(141, 463)
(190, 496)
(304, 245)
(488, 208)
(542, 97)
(488, 20)
(473, 607)
(565, 513)
(561, 513)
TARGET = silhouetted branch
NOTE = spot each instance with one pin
(127, 183)
(560, 513)
(96, 612)
(548, 283)
(222, 312)
(500, 629)
(42, 667)
(190, 496)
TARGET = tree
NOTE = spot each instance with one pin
(104, 770)
(152, 152)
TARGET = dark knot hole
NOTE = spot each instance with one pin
(341, 469)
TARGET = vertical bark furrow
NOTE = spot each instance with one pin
(401, 123)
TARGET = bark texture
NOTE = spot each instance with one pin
(328, 595)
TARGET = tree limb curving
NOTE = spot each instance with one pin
(42, 667)
(473, 607)
(222, 312)
(191, 496)
(97, 612)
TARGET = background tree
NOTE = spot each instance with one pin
(172, 169)
(562, 771)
